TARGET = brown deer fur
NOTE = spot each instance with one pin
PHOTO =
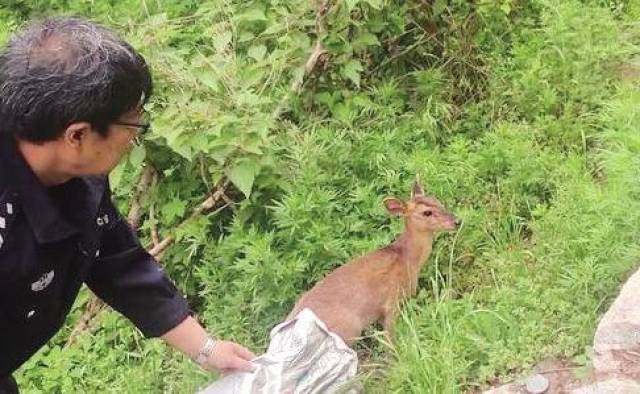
(369, 289)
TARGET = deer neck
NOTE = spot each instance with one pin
(416, 248)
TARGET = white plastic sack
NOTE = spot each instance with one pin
(304, 357)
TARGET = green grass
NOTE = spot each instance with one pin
(524, 128)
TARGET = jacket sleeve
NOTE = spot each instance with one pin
(129, 279)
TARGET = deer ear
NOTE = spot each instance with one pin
(416, 189)
(394, 206)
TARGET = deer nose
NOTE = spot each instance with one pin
(458, 222)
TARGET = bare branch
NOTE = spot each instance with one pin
(92, 309)
(152, 216)
(318, 54)
(144, 182)
(205, 206)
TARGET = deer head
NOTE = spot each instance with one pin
(422, 213)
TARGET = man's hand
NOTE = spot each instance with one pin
(189, 337)
(228, 357)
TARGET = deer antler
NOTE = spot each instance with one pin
(416, 189)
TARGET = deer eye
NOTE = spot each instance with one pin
(427, 213)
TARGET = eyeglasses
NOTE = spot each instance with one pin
(142, 127)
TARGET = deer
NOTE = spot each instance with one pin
(370, 288)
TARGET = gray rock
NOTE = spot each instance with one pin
(510, 388)
(610, 386)
(537, 384)
(616, 344)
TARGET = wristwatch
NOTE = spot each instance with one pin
(204, 353)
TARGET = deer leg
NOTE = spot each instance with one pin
(388, 323)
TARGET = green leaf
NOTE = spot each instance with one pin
(377, 4)
(173, 209)
(439, 6)
(249, 99)
(222, 40)
(506, 7)
(252, 15)
(251, 76)
(209, 79)
(242, 176)
(116, 175)
(137, 155)
(365, 40)
(351, 4)
(252, 146)
(257, 52)
(352, 71)
(275, 28)
(246, 36)
(181, 146)
(194, 230)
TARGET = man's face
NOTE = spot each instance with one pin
(95, 154)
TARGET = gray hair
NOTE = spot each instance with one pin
(63, 70)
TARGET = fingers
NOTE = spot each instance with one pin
(239, 364)
(244, 352)
(230, 357)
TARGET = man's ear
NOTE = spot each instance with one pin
(394, 206)
(76, 133)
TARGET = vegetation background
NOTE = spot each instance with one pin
(522, 116)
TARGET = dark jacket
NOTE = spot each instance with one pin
(52, 240)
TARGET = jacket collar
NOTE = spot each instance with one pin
(82, 197)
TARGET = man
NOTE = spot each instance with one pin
(71, 96)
